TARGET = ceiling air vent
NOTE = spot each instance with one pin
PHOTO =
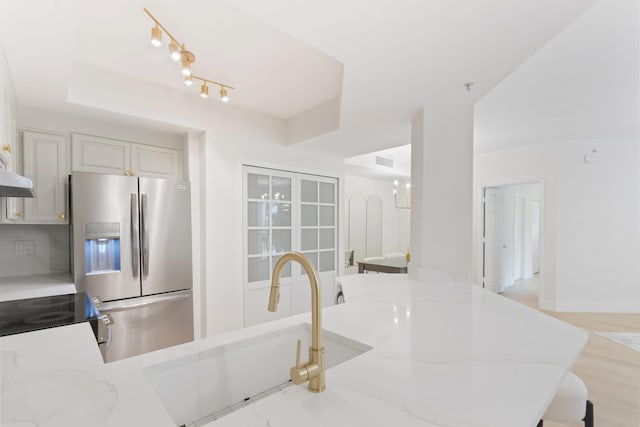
(383, 161)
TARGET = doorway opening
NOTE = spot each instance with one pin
(511, 223)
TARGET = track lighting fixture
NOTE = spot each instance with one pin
(175, 50)
(186, 67)
(224, 96)
(186, 58)
(204, 90)
(156, 36)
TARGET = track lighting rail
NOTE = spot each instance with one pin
(186, 58)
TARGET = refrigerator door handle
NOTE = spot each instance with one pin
(145, 235)
(135, 236)
(115, 306)
(105, 334)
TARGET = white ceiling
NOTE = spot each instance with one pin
(399, 55)
(583, 85)
(384, 59)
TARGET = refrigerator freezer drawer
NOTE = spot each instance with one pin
(141, 325)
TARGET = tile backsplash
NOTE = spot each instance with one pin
(33, 249)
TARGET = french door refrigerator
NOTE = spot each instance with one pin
(131, 248)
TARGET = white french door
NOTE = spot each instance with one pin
(286, 211)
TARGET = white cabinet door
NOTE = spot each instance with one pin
(45, 163)
(154, 162)
(100, 155)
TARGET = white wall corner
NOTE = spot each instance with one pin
(316, 121)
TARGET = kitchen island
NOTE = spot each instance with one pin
(442, 354)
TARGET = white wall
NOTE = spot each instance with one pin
(590, 236)
(441, 192)
(395, 222)
(50, 250)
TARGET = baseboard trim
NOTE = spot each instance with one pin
(589, 307)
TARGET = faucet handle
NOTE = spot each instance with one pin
(300, 372)
(298, 349)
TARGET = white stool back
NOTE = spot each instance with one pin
(570, 403)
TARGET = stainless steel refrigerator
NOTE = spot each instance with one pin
(131, 248)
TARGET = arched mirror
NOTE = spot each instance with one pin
(357, 237)
(374, 226)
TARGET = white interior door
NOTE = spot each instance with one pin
(519, 237)
(535, 236)
(494, 245)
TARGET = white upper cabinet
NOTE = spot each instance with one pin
(154, 162)
(100, 155)
(110, 156)
(45, 163)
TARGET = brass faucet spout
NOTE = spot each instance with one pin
(313, 370)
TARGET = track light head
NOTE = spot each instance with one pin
(186, 67)
(188, 80)
(224, 96)
(204, 90)
(156, 36)
(175, 50)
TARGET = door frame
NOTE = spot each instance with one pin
(480, 229)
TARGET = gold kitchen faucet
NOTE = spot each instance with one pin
(313, 369)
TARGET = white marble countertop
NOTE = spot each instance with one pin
(443, 354)
(39, 285)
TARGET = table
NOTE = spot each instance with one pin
(386, 265)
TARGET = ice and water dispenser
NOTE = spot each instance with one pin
(102, 247)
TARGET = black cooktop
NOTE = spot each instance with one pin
(31, 314)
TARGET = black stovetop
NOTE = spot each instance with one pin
(31, 314)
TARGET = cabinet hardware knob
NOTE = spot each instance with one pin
(61, 216)
(127, 173)
(18, 214)
(132, 173)
(6, 148)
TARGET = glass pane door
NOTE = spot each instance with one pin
(268, 224)
(318, 221)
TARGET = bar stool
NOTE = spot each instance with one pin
(570, 403)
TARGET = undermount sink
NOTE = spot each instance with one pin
(196, 391)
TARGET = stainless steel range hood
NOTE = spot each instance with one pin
(12, 185)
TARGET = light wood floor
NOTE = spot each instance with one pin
(610, 371)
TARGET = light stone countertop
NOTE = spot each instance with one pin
(39, 285)
(444, 354)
